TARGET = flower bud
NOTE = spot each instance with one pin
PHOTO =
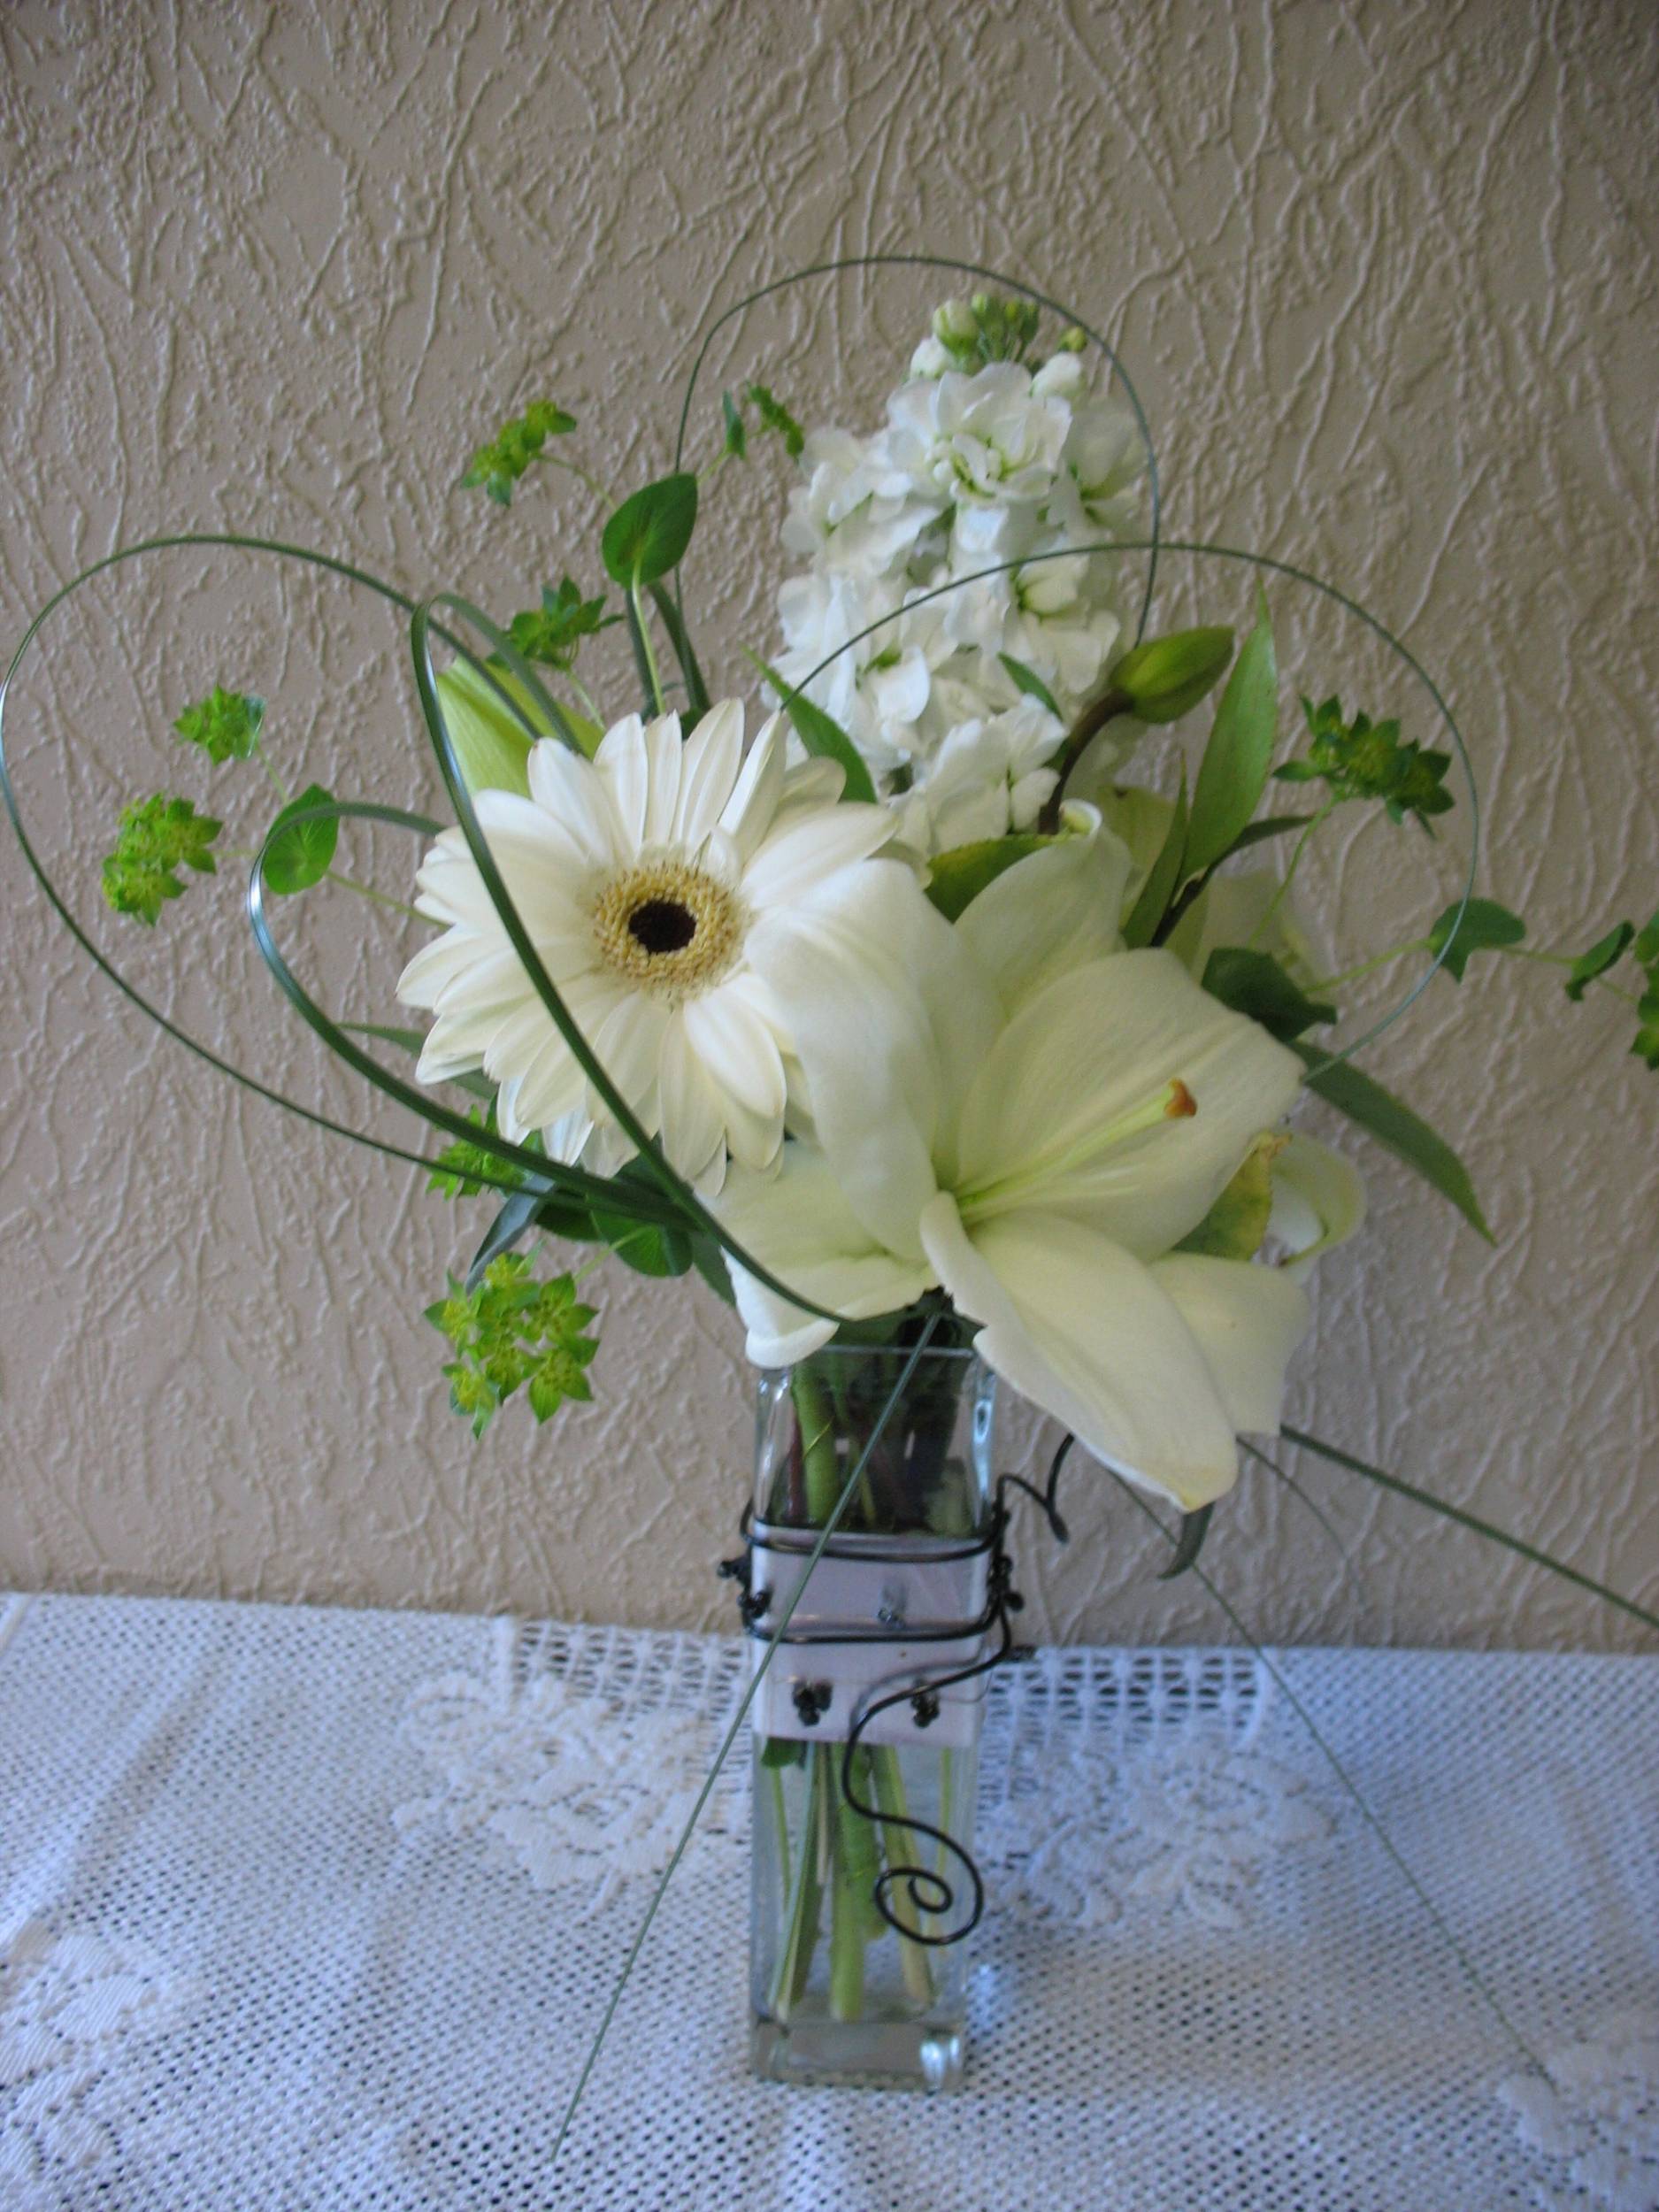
(954, 323)
(1071, 340)
(984, 306)
(1164, 678)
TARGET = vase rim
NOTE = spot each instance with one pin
(874, 1351)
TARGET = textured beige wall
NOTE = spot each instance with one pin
(1387, 273)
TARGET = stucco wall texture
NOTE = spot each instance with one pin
(1385, 275)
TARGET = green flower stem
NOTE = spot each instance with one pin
(817, 1445)
(368, 891)
(587, 697)
(652, 672)
(575, 469)
(855, 1872)
(780, 1822)
(1567, 960)
(805, 1896)
(1301, 847)
(887, 1780)
(1426, 944)
(333, 875)
(1369, 967)
(263, 759)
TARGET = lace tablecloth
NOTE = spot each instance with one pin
(315, 1909)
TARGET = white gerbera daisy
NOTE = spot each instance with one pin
(639, 876)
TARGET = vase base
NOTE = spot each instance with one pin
(859, 2054)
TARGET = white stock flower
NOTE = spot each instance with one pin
(642, 877)
(969, 471)
(988, 778)
(1037, 1138)
(987, 436)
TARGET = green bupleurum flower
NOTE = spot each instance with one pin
(512, 1331)
(1363, 759)
(552, 632)
(156, 837)
(497, 466)
(225, 725)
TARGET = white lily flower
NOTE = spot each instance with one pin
(1039, 1160)
(642, 877)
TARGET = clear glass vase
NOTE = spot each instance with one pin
(864, 1773)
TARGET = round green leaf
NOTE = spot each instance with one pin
(649, 532)
(300, 855)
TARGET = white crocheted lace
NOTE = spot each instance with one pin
(312, 1911)
(74, 2010)
(1594, 2115)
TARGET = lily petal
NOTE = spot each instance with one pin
(1246, 1321)
(798, 1222)
(1051, 911)
(1067, 1115)
(890, 1015)
(1085, 1332)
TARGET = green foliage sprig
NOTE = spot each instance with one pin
(496, 467)
(552, 632)
(772, 420)
(225, 725)
(1360, 759)
(157, 836)
(514, 1333)
(1487, 926)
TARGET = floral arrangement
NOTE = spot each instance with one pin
(956, 991)
(920, 1000)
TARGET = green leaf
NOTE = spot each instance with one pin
(822, 735)
(775, 417)
(646, 1247)
(1233, 772)
(1162, 878)
(1393, 1125)
(1646, 945)
(1031, 683)
(679, 637)
(736, 436)
(1269, 826)
(649, 532)
(509, 1330)
(156, 838)
(1190, 1541)
(514, 1218)
(301, 854)
(225, 725)
(496, 467)
(1600, 956)
(960, 875)
(1235, 1225)
(1486, 926)
(710, 1262)
(1254, 983)
(1645, 1042)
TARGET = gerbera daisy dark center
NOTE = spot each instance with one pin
(669, 927)
(663, 926)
